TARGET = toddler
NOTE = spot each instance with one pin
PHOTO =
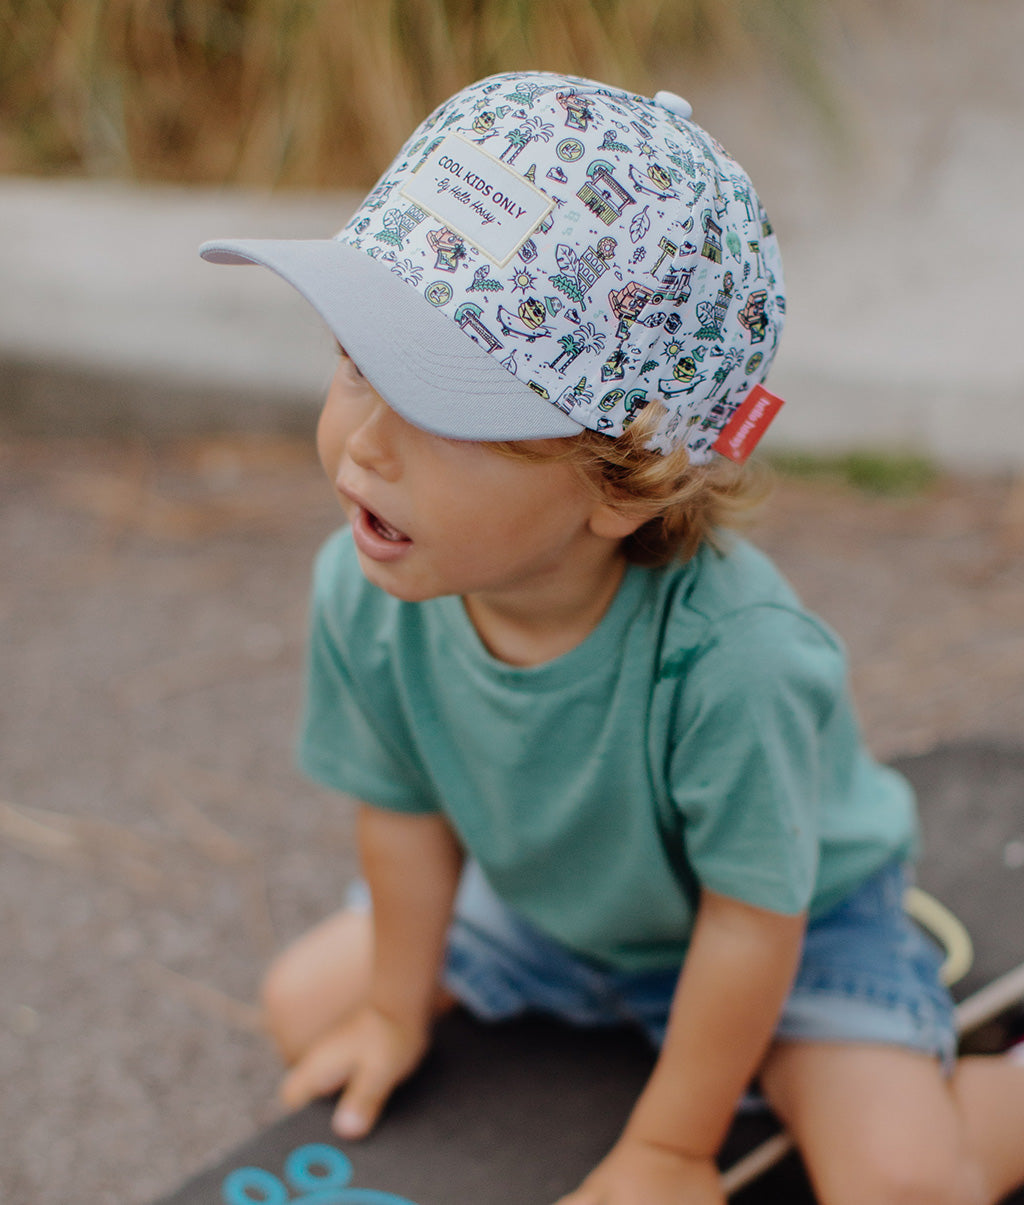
(607, 764)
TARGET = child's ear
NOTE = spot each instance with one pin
(614, 524)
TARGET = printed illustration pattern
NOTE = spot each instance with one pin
(653, 272)
(318, 1173)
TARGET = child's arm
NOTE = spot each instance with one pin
(737, 974)
(412, 865)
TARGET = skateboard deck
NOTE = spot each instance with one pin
(518, 1113)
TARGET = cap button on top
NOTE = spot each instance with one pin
(674, 104)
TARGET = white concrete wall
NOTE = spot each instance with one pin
(902, 231)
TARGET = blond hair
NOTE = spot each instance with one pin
(685, 505)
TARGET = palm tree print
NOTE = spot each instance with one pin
(584, 338)
(529, 130)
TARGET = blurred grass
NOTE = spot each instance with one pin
(887, 474)
(320, 93)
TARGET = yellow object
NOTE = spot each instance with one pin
(937, 920)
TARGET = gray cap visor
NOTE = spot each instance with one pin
(424, 364)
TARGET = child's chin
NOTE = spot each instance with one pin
(385, 578)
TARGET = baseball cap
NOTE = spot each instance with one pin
(547, 253)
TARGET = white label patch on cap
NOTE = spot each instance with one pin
(479, 197)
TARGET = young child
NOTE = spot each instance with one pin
(607, 764)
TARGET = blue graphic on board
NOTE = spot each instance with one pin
(316, 1174)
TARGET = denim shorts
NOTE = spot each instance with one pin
(867, 974)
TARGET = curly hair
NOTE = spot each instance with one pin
(691, 504)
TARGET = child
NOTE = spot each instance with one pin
(608, 764)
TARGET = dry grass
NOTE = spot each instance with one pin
(321, 92)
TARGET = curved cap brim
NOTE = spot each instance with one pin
(421, 361)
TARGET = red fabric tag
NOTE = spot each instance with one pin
(741, 433)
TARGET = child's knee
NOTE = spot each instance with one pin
(282, 997)
(277, 987)
(893, 1176)
(315, 981)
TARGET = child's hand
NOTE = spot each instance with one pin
(638, 1173)
(368, 1055)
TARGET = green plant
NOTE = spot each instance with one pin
(321, 92)
(887, 473)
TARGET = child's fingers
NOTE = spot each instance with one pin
(366, 1056)
(362, 1102)
(321, 1071)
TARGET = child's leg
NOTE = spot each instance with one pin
(318, 980)
(885, 1125)
(989, 1093)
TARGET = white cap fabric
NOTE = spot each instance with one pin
(547, 253)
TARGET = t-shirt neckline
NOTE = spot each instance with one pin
(596, 649)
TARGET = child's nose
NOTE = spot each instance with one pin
(371, 444)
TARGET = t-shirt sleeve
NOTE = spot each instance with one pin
(352, 734)
(745, 769)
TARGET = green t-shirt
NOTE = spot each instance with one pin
(701, 734)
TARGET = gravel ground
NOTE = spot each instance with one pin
(155, 843)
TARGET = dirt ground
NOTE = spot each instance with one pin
(155, 842)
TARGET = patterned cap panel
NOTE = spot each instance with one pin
(604, 248)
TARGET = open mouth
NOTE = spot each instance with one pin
(384, 530)
(375, 537)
